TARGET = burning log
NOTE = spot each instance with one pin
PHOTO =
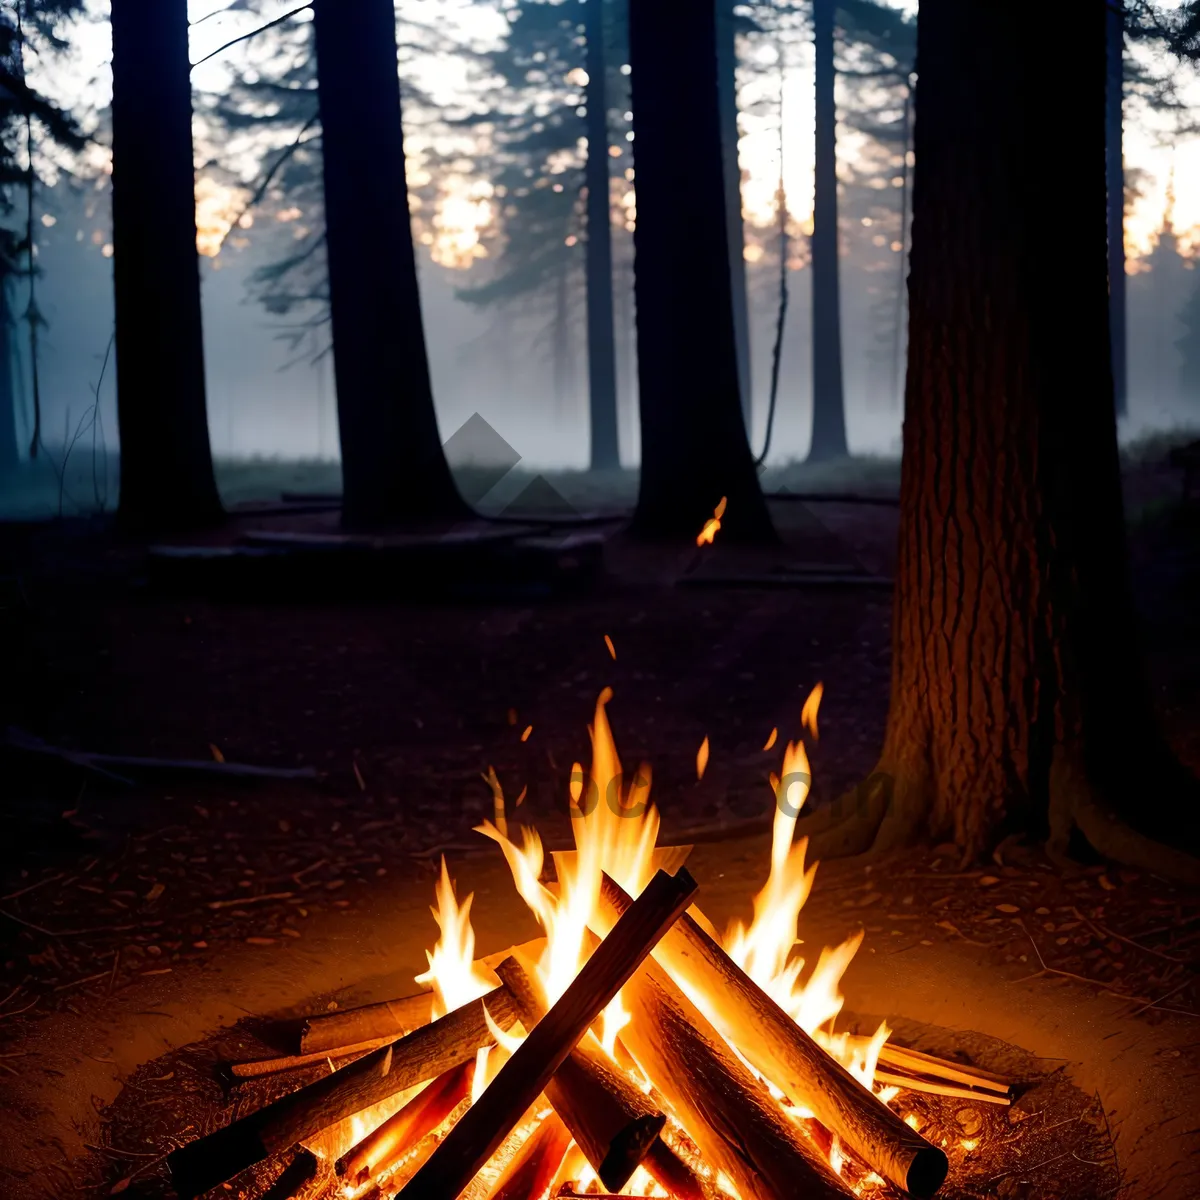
(387, 1020)
(531, 1170)
(610, 1118)
(344, 1032)
(728, 1113)
(379, 1151)
(423, 1054)
(524, 1076)
(782, 1052)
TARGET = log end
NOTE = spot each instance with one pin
(926, 1172)
(628, 1149)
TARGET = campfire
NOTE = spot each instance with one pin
(632, 1049)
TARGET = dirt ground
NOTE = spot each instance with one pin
(137, 920)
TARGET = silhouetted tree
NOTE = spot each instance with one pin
(393, 466)
(166, 463)
(729, 24)
(601, 344)
(694, 444)
(828, 399)
(1017, 698)
(1115, 177)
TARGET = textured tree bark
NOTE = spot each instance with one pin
(694, 444)
(1017, 699)
(601, 343)
(828, 400)
(393, 466)
(166, 462)
(1114, 118)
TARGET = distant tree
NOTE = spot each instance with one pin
(694, 444)
(393, 466)
(1189, 348)
(10, 455)
(28, 29)
(879, 56)
(166, 462)
(828, 396)
(1017, 698)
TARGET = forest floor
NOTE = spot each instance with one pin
(128, 903)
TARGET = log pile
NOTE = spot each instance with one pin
(709, 1056)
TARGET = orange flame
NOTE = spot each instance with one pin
(615, 828)
(712, 525)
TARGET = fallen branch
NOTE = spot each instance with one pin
(937, 1088)
(915, 1062)
(257, 1068)
(730, 1115)
(611, 1120)
(782, 1052)
(428, 1052)
(525, 1075)
(18, 739)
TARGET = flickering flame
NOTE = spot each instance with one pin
(711, 525)
(808, 714)
(452, 974)
(615, 828)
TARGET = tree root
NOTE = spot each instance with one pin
(1074, 803)
(849, 825)
(886, 813)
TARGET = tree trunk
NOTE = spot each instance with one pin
(166, 462)
(1114, 96)
(9, 455)
(1017, 700)
(828, 400)
(602, 361)
(393, 466)
(727, 82)
(694, 444)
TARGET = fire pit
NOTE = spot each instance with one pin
(631, 1049)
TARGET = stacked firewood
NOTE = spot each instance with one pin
(559, 1102)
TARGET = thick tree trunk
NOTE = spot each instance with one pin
(601, 344)
(166, 462)
(727, 82)
(828, 401)
(9, 454)
(1017, 700)
(694, 444)
(1114, 111)
(393, 466)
